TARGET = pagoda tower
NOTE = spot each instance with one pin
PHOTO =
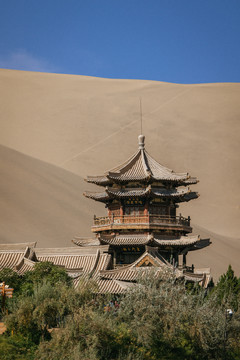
(141, 197)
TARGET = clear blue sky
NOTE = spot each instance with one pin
(182, 41)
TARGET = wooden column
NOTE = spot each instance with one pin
(121, 213)
(114, 258)
(180, 261)
(146, 210)
(121, 210)
(169, 208)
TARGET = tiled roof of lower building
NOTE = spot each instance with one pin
(10, 259)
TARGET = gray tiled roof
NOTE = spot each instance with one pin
(132, 272)
(92, 261)
(113, 286)
(99, 180)
(24, 266)
(122, 240)
(180, 195)
(85, 241)
(141, 239)
(130, 192)
(98, 196)
(9, 259)
(141, 167)
(178, 241)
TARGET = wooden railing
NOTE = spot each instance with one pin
(144, 219)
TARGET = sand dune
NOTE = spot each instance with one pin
(41, 202)
(87, 125)
(222, 252)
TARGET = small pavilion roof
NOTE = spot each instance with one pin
(141, 167)
(133, 271)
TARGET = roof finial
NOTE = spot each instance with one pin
(141, 139)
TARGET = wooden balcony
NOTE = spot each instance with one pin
(145, 222)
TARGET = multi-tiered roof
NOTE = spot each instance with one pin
(142, 197)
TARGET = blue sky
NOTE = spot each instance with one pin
(181, 41)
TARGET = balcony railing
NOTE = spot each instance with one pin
(141, 220)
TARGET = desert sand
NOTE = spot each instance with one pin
(57, 129)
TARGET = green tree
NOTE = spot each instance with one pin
(16, 347)
(10, 278)
(46, 271)
(228, 289)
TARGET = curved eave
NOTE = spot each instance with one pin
(148, 178)
(111, 178)
(97, 196)
(128, 193)
(180, 242)
(109, 194)
(201, 244)
(190, 181)
(99, 180)
(85, 242)
(172, 192)
(141, 240)
(136, 240)
(108, 180)
(188, 197)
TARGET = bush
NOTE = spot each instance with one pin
(159, 318)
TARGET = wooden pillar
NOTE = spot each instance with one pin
(184, 260)
(146, 210)
(121, 210)
(180, 261)
(114, 258)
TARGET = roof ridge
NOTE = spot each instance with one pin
(146, 166)
(95, 263)
(116, 169)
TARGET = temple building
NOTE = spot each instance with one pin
(142, 229)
